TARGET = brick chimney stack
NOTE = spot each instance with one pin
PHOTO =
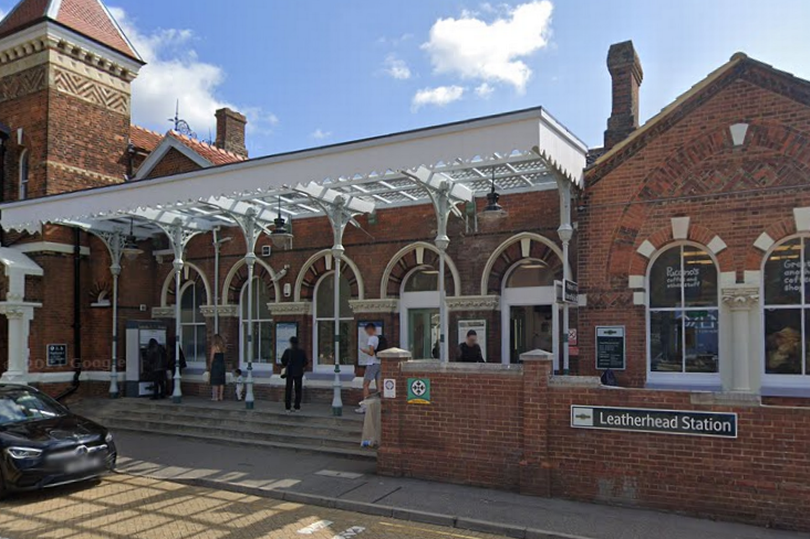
(231, 131)
(626, 74)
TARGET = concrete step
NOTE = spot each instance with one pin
(312, 430)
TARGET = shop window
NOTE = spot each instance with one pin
(683, 314)
(192, 323)
(324, 319)
(262, 323)
(786, 303)
(24, 175)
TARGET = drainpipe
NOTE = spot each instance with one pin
(77, 313)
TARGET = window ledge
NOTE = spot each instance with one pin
(685, 382)
(785, 391)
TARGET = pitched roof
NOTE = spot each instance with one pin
(144, 139)
(740, 65)
(89, 18)
(216, 156)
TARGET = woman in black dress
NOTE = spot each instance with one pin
(216, 368)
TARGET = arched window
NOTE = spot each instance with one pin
(192, 323)
(324, 318)
(262, 323)
(24, 175)
(683, 313)
(530, 273)
(786, 302)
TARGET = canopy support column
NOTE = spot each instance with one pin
(114, 241)
(565, 232)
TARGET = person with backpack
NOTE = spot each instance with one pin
(376, 344)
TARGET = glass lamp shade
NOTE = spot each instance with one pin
(131, 251)
(492, 210)
(281, 237)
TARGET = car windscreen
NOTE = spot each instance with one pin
(19, 405)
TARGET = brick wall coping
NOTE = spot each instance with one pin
(431, 365)
(575, 381)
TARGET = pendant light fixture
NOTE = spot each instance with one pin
(493, 209)
(131, 250)
(281, 235)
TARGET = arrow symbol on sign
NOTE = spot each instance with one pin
(583, 416)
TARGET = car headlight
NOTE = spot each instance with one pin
(24, 452)
(108, 438)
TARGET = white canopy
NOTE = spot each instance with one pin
(526, 150)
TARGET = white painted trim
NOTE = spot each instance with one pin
(243, 362)
(738, 132)
(716, 245)
(223, 298)
(23, 155)
(802, 218)
(636, 281)
(508, 243)
(420, 248)
(168, 143)
(680, 228)
(316, 366)
(764, 242)
(299, 280)
(728, 278)
(169, 281)
(646, 249)
(50, 247)
(640, 298)
(413, 300)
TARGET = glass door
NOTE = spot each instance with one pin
(530, 328)
(423, 333)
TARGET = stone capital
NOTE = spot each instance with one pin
(741, 298)
(387, 305)
(290, 308)
(472, 303)
(163, 312)
(224, 311)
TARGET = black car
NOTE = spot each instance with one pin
(42, 444)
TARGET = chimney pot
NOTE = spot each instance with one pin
(231, 131)
(626, 75)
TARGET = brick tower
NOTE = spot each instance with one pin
(65, 74)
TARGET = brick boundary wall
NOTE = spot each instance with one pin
(509, 428)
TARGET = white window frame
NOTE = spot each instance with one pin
(196, 324)
(243, 323)
(527, 296)
(698, 380)
(774, 384)
(24, 179)
(316, 366)
(413, 300)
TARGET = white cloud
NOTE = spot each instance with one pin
(439, 96)
(174, 72)
(484, 90)
(493, 52)
(396, 67)
(320, 134)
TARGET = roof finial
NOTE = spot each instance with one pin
(180, 125)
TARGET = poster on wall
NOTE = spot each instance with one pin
(284, 330)
(610, 348)
(363, 359)
(57, 355)
(480, 328)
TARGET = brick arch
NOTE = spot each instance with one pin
(670, 180)
(510, 251)
(661, 239)
(237, 277)
(406, 260)
(777, 231)
(316, 267)
(194, 274)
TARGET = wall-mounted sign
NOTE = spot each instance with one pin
(610, 348)
(570, 292)
(57, 355)
(284, 331)
(418, 391)
(480, 328)
(687, 423)
(389, 388)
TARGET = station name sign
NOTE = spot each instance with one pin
(688, 423)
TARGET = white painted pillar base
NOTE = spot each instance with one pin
(19, 317)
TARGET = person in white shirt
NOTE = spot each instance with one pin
(372, 365)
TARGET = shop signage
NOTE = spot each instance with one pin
(57, 355)
(389, 388)
(687, 423)
(418, 391)
(610, 347)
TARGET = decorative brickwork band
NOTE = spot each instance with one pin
(91, 91)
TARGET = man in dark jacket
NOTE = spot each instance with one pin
(295, 361)
(469, 351)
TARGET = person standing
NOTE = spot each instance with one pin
(470, 351)
(372, 373)
(294, 360)
(157, 363)
(216, 368)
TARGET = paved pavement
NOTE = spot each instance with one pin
(337, 481)
(124, 507)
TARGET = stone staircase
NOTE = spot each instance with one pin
(267, 426)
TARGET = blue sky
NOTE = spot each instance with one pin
(315, 72)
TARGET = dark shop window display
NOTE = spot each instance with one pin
(683, 311)
(787, 300)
